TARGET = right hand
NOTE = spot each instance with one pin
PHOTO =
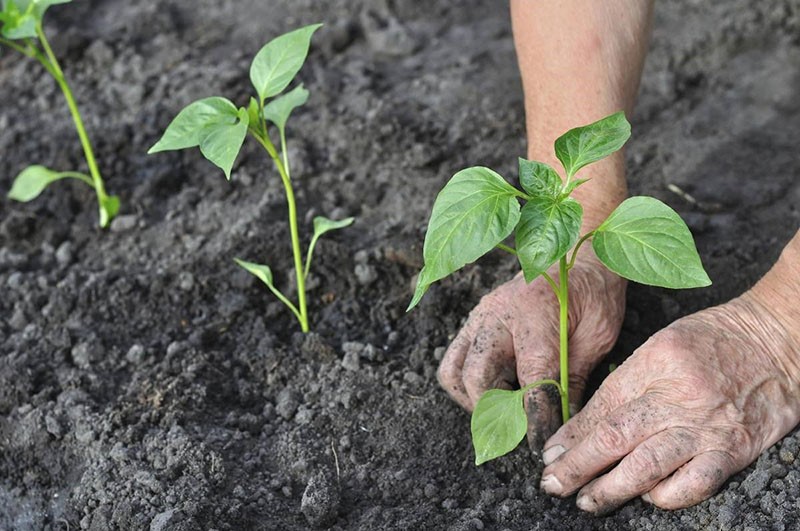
(512, 337)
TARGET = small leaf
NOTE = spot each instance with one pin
(224, 142)
(195, 122)
(499, 424)
(19, 17)
(583, 145)
(276, 64)
(262, 272)
(109, 207)
(574, 183)
(278, 110)
(476, 210)
(254, 115)
(321, 226)
(31, 182)
(538, 179)
(547, 230)
(646, 241)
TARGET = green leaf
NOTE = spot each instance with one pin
(476, 210)
(583, 145)
(278, 110)
(109, 207)
(254, 115)
(34, 179)
(547, 230)
(538, 179)
(646, 241)
(498, 424)
(224, 142)
(19, 17)
(195, 122)
(214, 124)
(262, 272)
(276, 64)
(321, 226)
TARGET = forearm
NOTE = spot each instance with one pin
(779, 292)
(580, 60)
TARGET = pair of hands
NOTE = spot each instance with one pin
(699, 401)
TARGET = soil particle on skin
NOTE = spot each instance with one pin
(147, 382)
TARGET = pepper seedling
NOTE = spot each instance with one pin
(22, 31)
(219, 129)
(642, 240)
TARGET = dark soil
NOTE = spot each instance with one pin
(146, 382)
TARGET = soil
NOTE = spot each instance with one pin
(146, 382)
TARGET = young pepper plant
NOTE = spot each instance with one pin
(22, 31)
(643, 240)
(219, 129)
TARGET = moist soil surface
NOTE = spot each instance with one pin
(146, 382)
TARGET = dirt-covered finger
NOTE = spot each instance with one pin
(612, 438)
(489, 363)
(639, 471)
(695, 481)
(451, 368)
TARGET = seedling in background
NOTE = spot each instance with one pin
(22, 31)
(642, 240)
(219, 128)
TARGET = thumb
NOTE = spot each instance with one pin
(543, 403)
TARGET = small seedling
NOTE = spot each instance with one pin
(642, 240)
(22, 31)
(219, 129)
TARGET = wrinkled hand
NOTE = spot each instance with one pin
(695, 404)
(512, 336)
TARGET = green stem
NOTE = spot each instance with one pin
(58, 74)
(15, 46)
(578, 246)
(563, 299)
(77, 175)
(552, 283)
(506, 248)
(543, 382)
(297, 253)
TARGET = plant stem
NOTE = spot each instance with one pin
(58, 74)
(563, 299)
(507, 249)
(542, 382)
(578, 246)
(290, 201)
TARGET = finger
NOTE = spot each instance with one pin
(451, 366)
(639, 471)
(607, 398)
(612, 438)
(537, 359)
(489, 363)
(694, 482)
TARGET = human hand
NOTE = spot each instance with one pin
(695, 404)
(512, 336)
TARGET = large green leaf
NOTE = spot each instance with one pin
(223, 143)
(646, 241)
(20, 17)
(214, 124)
(276, 64)
(499, 424)
(278, 110)
(547, 230)
(583, 145)
(476, 210)
(34, 179)
(195, 122)
(321, 226)
(538, 179)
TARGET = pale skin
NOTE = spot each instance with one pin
(701, 399)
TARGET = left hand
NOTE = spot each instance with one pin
(698, 402)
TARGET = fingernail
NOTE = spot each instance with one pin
(586, 503)
(551, 485)
(552, 453)
(647, 498)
